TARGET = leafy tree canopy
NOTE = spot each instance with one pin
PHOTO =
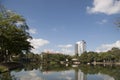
(13, 34)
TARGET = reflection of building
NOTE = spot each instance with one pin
(79, 75)
(80, 47)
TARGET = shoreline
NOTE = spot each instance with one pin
(10, 66)
(106, 63)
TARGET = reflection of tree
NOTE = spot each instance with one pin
(31, 66)
(5, 76)
(89, 69)
(112, 71)
(55, 67)
(44, 67)
(81, 72)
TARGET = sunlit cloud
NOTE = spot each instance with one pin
(32, 31)
(37, 44)
(62, 49)
(108, 7)
(66, 49)
(106, 47)
(49, 50)
(19, 23)
(65, 46)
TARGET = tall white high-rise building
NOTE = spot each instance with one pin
(80, 47)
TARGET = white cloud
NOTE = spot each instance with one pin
(65, 46)
(33, 31)
(106, 47)
(19, 23)
(37, 43)
(66, 49)
(49, 50)
(102, 21)
(108, 7)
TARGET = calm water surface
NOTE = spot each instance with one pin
(63, 72)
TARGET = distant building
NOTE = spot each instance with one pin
(80, 47)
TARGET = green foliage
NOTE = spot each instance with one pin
(88, 57)
(112, 55)
(117, 22)
(47, 57)
(112, 71)
(6, 76)
(3, 68)
(13, 35)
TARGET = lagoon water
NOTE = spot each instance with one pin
(63, 72)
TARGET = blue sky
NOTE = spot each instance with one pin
(56, 25)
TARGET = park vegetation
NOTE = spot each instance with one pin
(111, 56)
(14, 44)
(13, 35)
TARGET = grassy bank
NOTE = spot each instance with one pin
(3, 68)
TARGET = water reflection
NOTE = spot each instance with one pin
(27, 75)
(79, 75)
(5, 76)
(62, 72)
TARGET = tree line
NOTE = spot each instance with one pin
(112, 56)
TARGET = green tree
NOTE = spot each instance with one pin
(13, 35)
(88, 57)
(116, 54)
(117, 22)
(84, 58)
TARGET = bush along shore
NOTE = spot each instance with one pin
(4, 67)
